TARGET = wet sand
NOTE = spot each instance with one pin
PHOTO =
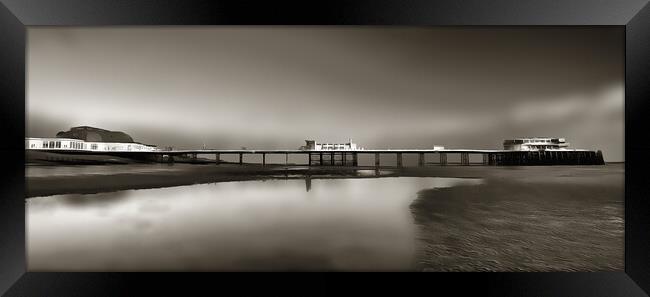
(39, 182)
(159, 176)
(147, 176)
(526, 219)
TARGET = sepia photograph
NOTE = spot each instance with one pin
(325, 148)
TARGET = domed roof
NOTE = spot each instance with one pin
(93, 134)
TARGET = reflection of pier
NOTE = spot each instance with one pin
(351, 157)
(308, 182)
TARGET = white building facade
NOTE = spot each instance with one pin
(312, 145)
(32, 143)
(535, 144)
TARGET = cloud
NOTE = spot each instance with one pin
(570, 108)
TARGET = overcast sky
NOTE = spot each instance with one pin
(384, 87)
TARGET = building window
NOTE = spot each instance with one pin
(58, 144)
(93, 146)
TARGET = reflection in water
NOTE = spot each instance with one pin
(339, 224)
(308, 182)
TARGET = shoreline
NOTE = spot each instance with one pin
(188, 174)
(38, 186)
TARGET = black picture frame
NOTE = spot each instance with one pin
(633, 15)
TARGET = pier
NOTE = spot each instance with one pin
(518, 152)
(462, 157)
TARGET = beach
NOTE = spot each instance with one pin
(534, 218)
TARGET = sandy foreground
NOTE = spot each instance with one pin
(530, 219)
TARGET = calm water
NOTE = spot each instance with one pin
(339, 224)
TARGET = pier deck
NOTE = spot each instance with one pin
(351, 157)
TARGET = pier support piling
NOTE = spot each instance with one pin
(599, 158)
(399, 160)
(241, 158)
(464, 158)
(377, 160)
(421, 159)
(263, 159)
(217, 158)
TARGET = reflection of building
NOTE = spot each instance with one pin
(312, 145)
(535, 144)
(88, 139)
